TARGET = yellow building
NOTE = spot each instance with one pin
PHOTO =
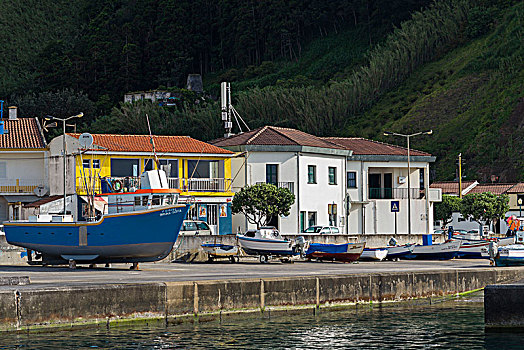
(115, 162)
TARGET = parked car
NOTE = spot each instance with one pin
(322, 229)
(194, 227)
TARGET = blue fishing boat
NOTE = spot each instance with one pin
(139, 226)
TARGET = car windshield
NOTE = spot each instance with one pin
(313, 229)
(202, 226)
(190, 226)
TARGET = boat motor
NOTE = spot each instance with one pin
(300, 245)
(493, 250)
(392, 241)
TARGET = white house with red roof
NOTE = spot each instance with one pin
(23, 164)
(350, 183)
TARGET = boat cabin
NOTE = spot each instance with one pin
(267, 232)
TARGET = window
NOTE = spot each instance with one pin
(137, 200)
(302, 221)
(205, 169)
(170, 166)
(86, 163)
(312, 218)
(148, 164)
(311, 174)
(352, 179)
(332, 172)
(145, 199)
(96, 163)
(125, 167)
(272, 174)
(3, 170)
(421, 179)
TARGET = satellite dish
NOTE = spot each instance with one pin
(40, 191)
(86, 140)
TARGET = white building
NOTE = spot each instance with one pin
(350, 183)
(23, 164)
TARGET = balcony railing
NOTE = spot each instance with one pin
(289, 185)
(395, 193)
(20, 186)
(186, 185)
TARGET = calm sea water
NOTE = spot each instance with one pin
(449, 325)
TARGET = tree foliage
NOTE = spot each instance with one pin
(484, 207)
(261, 202)
(445, 209)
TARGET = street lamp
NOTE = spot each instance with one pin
(63, 120)
(388, 133)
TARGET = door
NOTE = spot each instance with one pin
(212, 218)
(388, 186)
(374, 186)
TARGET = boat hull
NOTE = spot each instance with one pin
(257, 246)
(220, 250)
(399, 252)
(374, 254)
(140, 236)
(472, 250)
(347, 252)
(511, 255)
(444, 251)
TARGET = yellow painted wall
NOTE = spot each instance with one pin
(105, 170)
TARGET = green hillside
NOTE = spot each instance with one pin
(347, 68)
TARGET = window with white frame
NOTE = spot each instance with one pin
(96, 163)
(332, 175)
(86, 163)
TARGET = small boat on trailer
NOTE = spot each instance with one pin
(345, 252)
(268, 243)
(219, 250)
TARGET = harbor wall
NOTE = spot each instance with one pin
(504, 307)
(26, 308)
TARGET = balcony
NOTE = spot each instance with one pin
(186, 185)
(20, 186)
(395, 193)
(289, 185)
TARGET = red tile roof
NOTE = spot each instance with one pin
(23, 133)
(451, 187)
(163, 144)
(493, 188)
(518, 188)
(275, 136)
(361, 146)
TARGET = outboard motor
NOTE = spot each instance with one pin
(392, 241)
(493, 250)
(300, 245)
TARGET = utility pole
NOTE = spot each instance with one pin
(460, 175)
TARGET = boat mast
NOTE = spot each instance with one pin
(152, 140)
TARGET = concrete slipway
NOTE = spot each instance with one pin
(58, 296)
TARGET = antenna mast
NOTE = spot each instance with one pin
(228, 110)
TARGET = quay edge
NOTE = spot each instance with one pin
(504, 307)
(32, 308)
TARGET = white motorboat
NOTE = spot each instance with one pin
(399, 251)
(374, 254)
(267, 242)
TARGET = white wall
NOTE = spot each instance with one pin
(28, 165)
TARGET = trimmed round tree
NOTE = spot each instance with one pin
(261, 202)
(444, 210)
(484, 207)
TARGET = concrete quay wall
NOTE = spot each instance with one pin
(504, 307)
(28, 308)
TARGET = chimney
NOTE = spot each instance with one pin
(13, 111)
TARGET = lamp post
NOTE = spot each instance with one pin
(387, 133)
(63, 120)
